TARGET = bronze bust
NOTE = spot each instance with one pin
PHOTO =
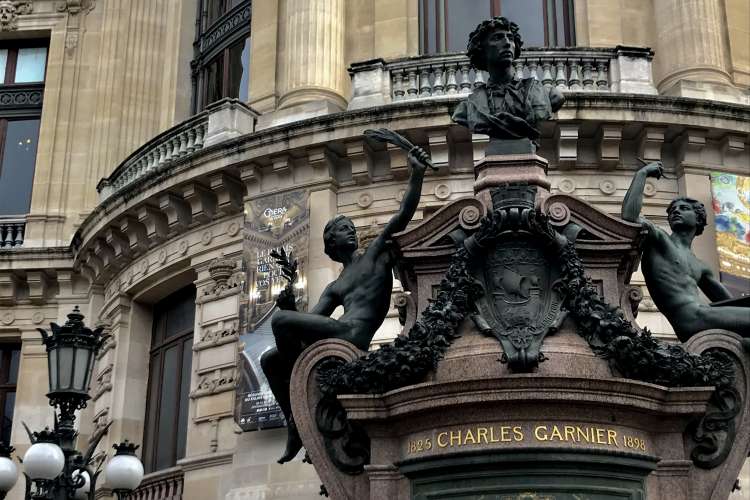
(506, 108)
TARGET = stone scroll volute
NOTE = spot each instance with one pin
(713, 483)
(305, 395)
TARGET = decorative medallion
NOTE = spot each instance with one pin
(559, 213)
(233, 228)
(607, 187)
(469, 218)
(442, 191)
(206, 237)
(182, 247)
(143, 267)
(37, 318)
(162, 257)
(649, 189)
(7, 318)
(364, 200)
(566, 186)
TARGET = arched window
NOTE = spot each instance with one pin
(165, 433)
(221, 67)
(445, 24)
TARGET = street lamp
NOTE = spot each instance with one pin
(54, 469)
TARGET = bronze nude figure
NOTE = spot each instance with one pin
(506, 108)
(363, 288)
(674, 274)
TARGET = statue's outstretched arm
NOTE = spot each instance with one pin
(633, 201)
(418, 161)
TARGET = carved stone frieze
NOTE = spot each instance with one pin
(101, 420)
(103, 382)
(216, 382)
(225, 276)
(216, 337)
(9, 12)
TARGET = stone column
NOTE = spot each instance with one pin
(690, 46)
(312, 67)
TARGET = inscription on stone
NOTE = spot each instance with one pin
(497, 435)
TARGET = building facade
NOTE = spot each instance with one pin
(135, 135)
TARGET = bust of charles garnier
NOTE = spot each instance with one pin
(506, 107)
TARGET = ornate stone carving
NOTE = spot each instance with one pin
(103, 382)
(101, 421)
(216, 382)
(216, 337)
(23, 97)
(222, 271)
(9, 12)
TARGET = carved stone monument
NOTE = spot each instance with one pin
(520, 372)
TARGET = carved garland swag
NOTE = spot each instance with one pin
(634, 354)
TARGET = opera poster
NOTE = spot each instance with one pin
(271, 222)
(731, 206)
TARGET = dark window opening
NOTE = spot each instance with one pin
(221, 66)
(10, 357)
(165, 434)
(445, 24)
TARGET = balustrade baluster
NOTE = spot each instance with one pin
(588, 78)
(451, 85)
(398, 84)
(438, 86)
(547, 74)
(7, 235)
(18, 240)
(412, 90)
(560, 79)
(602, 78)
(519, 69)
(424, 82)
(191, 140)
(200, 130)
(533, 69)
(478, 78)
(575, 81)
(465, 82)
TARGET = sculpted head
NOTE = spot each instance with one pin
(686, 211)
(492, 41)
(339, 237)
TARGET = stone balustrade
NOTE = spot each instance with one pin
(575, 69)
(161, 485)
(11, 232)
(222, 120)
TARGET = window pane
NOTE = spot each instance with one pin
(462, 17)
(215, 9)
(31, 64)
(10, 403)
(529, 16)
(15, 357)
(166, 434)
(187, 362)
(429, 26)
(17, 167)
(214, 77)
(66, 366)
(239, 61)
(3, 62)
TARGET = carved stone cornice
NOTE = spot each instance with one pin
(9, 12)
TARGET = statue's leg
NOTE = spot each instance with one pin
(732, 318)
(294, 331)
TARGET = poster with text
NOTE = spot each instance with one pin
(271, 222)
(731, 206)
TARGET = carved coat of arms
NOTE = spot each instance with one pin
(515, 264)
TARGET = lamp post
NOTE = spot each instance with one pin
(54, 469)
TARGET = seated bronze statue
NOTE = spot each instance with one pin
(505, 108)
(673, 274)
(363, 288)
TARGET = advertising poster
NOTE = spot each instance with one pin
(271, 222)
(731, 205)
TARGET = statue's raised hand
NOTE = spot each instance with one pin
(419, 160)
(654, 169)
(286, 299)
